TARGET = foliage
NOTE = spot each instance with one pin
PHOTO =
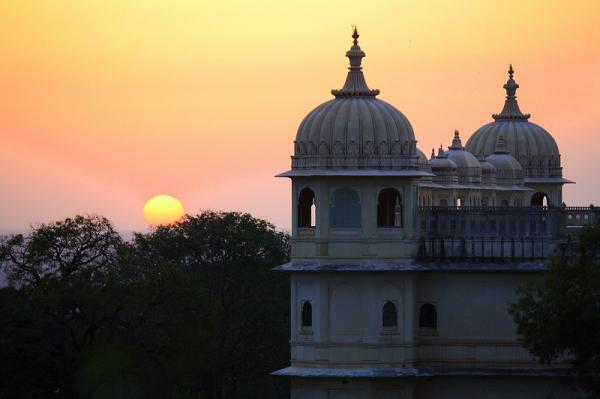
(191, 310)
(559, 316)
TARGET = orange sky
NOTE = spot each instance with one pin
(105, 103)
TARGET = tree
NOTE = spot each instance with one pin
(186, 311)
(232, 256)
(558, 316)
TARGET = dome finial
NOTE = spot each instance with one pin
(456, 142)
(511, 108)
(432, 153)
(355, 85)
(440, 151)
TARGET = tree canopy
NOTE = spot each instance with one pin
(192, 310)
(558, 316)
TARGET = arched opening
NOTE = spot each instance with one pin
(345, 208)
(540, 199)
(459, 203)
(504, 203)
(443, 202)
(427, 316)
(389, 208)
(306, 208)
(307, 314)
(390, 314)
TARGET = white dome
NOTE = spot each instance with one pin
(508, 169)
(468, 167)
(534, 148)
(355, 129)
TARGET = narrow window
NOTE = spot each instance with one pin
(539, 199)
(389, 208)
(459, 202)
(306, 208)
(427, 316)
(307, 314)
(345, 208)
(390, 314)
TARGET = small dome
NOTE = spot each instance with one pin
(440, 164)
(508, 169)
(487, 169)
(355, 129)
(468, 167)
(488, 172)
(529, 143)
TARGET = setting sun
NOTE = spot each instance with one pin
(163, 210)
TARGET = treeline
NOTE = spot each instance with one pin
(186, 311)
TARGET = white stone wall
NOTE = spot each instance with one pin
(474, 328)
(327, 244)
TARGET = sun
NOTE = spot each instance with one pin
(163, 210)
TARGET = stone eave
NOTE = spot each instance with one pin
(355, 173)
(548, 180)
(414, 267)
(411, 372)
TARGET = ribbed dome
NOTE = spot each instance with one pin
(442, 165)
(508, 169)
(468, 167)
(530, 144)
(487, 169)
(355, 130)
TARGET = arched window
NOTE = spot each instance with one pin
(307, 314)
(443, 202)
(504, 203)
(345, 208)
(427, 316)
(389, 208)
(390, 314)
(306, 208)
(459, 202)
(539, 199)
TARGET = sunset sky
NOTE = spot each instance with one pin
(106, 103)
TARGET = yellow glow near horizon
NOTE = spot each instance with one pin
(163, 210)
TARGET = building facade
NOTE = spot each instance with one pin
(402, 267)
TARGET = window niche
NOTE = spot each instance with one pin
(307, 209)
(428, 319)
(389, 208)
(306, 317)
(345, 211)
(389, 317)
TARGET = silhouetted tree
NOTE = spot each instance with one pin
(558, 316)
(191, 310)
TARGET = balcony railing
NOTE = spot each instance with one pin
(513, 234)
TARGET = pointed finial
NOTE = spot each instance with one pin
(440, 151)
(511, 108)
(355, 85)
(456, 142)
(432, 153)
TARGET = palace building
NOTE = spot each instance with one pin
(403, 267)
